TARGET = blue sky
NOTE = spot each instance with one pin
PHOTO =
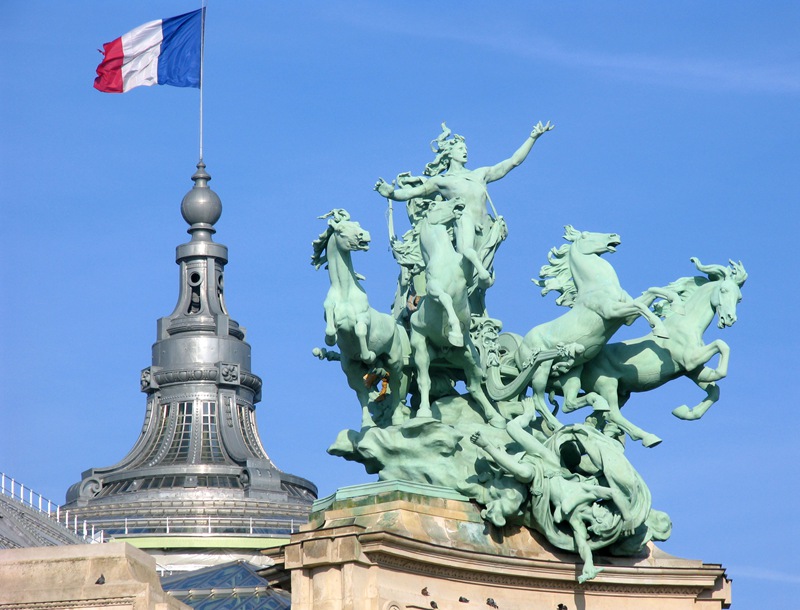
(677, 126)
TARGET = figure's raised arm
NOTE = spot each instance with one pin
(501, 169)
(532, 446)
(404, 194)
(519, 470)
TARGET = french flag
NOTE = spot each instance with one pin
(161, 52)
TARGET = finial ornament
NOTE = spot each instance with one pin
(201, 207)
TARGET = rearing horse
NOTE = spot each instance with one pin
(440, 326)
(643, 364)
(364, 336)
(599, 306)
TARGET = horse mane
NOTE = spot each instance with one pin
(319, 245)
(557, 275)
(406, 250)
(685, 287)
(319, 257)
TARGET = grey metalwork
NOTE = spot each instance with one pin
(199, 454)
(28, 519)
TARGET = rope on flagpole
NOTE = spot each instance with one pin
(202, 54)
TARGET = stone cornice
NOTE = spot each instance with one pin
(536, 577)
(436, 538)
(57, 604)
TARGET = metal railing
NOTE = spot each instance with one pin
(15, 490)
(196, 526)
(100, 530)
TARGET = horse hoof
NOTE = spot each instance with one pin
(456, 339)
(682, 412)
(650, 440)
(661, 333)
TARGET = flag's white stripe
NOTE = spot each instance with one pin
(141, 48)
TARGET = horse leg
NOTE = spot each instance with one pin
(604, 400)
(355, 379)
(702, 356)
(396, 383)
(539, 385)
(651, 294)
(455, 336)
(548, 417)
(628, 311)
(607, 389)
(656, 324)
(712, 396)
(330, 323)
(571, 386)
(474, 380)
(422, 361)
(361, 330)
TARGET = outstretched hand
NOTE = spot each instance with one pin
(384, 188)
(539, 129)
(478, 440)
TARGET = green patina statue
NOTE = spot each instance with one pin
(643, 364)
(567, 501)
(572, 483)
(477, 235)
(366, 337)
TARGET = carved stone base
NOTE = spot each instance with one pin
(398, 546)
(82, 577)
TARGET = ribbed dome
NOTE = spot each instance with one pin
(199, 460)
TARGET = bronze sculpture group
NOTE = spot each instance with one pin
(496, 444)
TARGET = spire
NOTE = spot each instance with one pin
(201, 305)
(199, 444)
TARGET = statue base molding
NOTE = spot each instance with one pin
(398, 545)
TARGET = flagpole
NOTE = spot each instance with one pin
(202, 53)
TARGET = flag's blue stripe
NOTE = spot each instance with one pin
(179, 61)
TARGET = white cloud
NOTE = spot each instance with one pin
(685, 72)
(763, 574)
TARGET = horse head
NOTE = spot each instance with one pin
(727, 292)
(587, 242)
(444, 212)
(349, 236)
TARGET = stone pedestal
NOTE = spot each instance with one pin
(82, 577)
(398, 546)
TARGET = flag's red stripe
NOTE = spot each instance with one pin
(109, 72)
